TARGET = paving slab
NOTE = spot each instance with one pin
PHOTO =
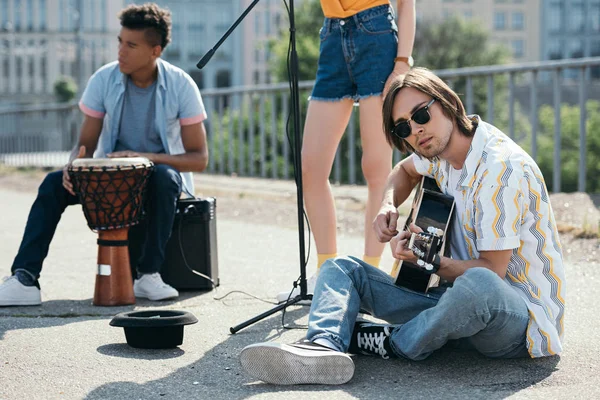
(65, 348)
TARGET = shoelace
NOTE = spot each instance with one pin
(373, 343)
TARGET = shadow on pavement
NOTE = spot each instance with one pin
(218, 373)
(63, 312)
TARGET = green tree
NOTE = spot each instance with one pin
(569, 143)
(308, 18)
(65, 89)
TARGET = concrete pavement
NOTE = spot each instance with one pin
(65, 348)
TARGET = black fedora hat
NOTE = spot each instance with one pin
(154, 329)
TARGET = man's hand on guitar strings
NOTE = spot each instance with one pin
(399, 244)
(385, 223)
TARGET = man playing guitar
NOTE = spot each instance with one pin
(505, 290)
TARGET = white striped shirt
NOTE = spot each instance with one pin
(507, 207)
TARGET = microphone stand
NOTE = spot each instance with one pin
(295, 102)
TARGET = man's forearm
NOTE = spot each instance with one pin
(450, 269)
(398, 187)
(187, 162)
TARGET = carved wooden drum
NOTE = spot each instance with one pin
(112, 192)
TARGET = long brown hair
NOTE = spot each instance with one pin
(426, 82)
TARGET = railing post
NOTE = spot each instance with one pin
(351, 150)
(470, 95)
(263, 135)
(274, 144)
(534, 114)
(241, 136)
(490, 99)
(511, 105)
(582, 130)
(557, 129)
(286, 144)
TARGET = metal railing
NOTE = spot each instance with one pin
(247, 125)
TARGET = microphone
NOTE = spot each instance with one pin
(205, 59)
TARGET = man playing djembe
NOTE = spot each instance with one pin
(138, 106)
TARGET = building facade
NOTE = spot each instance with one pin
(515, 23)
(571, 29)
(40, 40)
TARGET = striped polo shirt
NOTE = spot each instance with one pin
(507, 207)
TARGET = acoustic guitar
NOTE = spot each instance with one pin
(432, 212)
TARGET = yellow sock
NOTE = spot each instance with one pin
(374, 261)
(324, 257)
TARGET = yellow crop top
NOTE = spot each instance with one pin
(347, 8)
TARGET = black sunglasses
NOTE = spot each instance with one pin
(421, 117)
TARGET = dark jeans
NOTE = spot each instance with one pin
(164, 188)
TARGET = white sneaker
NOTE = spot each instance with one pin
(310, 289)
(14, 293)
(297, 363)
(152, 287)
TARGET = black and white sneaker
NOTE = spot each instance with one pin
(302, 362)
(371, 339)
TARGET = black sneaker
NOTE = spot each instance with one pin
(371, 339)
(302, 362)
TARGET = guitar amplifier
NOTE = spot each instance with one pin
(192, 246)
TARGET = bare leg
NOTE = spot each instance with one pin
(376, 165)
(323, 130)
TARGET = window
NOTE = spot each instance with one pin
(257, 23)
(576, 48)
(594, 17)
(518, 21)
(17, 16)
(499, 21)
(555, 17)
(575, 18)
(223, 79)
(42, 11)
(268, 22)
(555, 49)
(29, 13)
(4, 15)
(196, 40)
(173, 50)
(198, 77)
(6, 67)
(468, 14)
(518, 48)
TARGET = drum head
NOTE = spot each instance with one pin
(109, 163)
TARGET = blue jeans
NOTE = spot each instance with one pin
(480, 311)
(356, 55)
(164, 188)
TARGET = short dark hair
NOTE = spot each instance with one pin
(426, 82)
(155, 21)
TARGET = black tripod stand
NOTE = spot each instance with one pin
(295, 101)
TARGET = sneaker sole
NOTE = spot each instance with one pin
(21, 303)
(145, 296)
(286, 365)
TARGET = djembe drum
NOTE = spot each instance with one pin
(111, 192)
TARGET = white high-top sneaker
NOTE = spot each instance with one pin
(14, 293)
(152, 287)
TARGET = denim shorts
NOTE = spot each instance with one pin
(356, 55)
